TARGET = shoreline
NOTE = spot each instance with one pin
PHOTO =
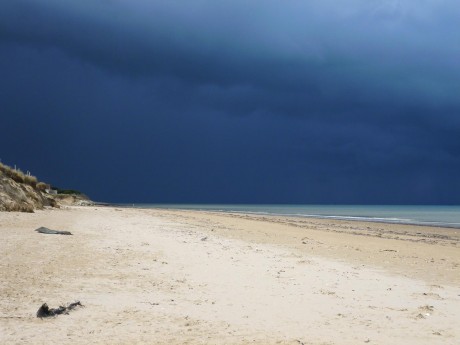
(156, 276)
(339, 218)
(372, 219)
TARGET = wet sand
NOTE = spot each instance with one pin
(190, 277)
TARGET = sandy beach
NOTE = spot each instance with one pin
(149, 276)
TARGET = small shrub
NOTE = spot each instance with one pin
(41, 186)
(15, 174)
(17, 207)
(31, 180)
(18, 176)
(6, 170)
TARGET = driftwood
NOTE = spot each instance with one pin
(44, 230)
(45, 311)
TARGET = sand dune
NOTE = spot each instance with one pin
(188, 277)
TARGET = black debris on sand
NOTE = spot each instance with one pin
(45, 311)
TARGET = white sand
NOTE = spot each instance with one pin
(184, 277)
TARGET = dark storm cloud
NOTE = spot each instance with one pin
(247, 95)
(276, 44)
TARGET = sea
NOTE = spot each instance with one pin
(443, 216)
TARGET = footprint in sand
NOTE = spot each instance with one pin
(327, 292)
(430, 295)
(424, 312)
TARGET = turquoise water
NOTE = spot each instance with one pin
(445, 216)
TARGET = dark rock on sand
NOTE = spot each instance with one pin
(44, 230)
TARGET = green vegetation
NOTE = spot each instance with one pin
(67, 191)
(18, 176)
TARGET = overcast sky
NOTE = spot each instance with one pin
(259, 101)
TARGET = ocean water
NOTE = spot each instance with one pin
(444, 216)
